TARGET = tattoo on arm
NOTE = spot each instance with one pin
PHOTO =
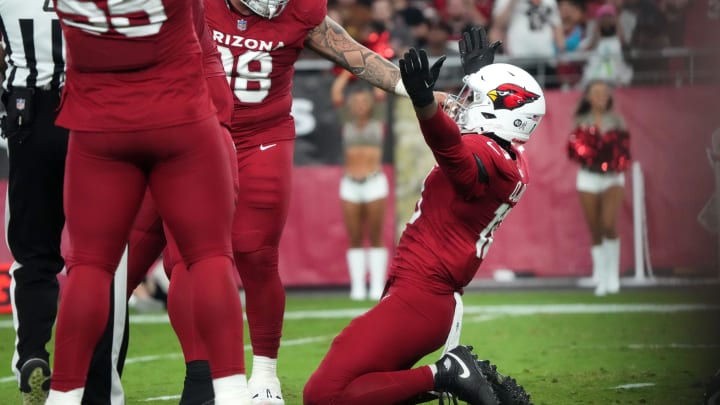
(332, 42)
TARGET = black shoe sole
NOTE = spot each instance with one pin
(35, 381)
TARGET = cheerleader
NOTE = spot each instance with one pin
(600, 143)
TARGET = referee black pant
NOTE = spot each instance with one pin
(34, 222)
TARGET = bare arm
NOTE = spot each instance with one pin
(338, 87)
(502, 17)
(559, 38)
(332, 42)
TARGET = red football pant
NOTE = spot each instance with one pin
(265, 172)
(369, 361)
(147, 240)
(105, 179)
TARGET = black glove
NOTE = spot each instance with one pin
(475, 52)
(17, 123)
(418, 78)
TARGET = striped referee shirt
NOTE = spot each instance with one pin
(33, 44)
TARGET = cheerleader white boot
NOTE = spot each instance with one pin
(356, 266)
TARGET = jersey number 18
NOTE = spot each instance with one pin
(240, 76)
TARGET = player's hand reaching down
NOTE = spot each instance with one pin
(475, 50)
(419, 77)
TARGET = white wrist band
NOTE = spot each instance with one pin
(400, 89)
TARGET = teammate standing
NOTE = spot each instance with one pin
(260, 41)
(35, 55)
(160, 131)
(481, 173)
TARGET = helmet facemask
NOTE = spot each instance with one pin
(470, 109)
(499, 98)
(455, 104)
(266, 8)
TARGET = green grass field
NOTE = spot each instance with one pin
(565, 347)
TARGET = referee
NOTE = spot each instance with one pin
(34, 53)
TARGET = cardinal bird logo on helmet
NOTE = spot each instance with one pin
(511, 96)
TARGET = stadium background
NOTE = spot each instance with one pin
(670, 107)
(546, 235)
(648, 346)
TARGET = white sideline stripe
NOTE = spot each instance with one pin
(154, 357)
(641, 346)
(145, 359)
(8, 379)
(163, 398)
(292, 342)
(586, 308)
(302, 341)
(471, 309)
(482, 318)
(325, 313)
(631, 386)
(481, 310)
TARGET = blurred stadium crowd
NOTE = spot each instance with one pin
(565, 43)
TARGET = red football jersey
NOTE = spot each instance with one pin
(463, 201)
(259, 57)
(131, 65)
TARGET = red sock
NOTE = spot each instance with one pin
(218, 314)
(264, 299)
(180, 311)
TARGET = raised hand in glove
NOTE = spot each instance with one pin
(475, 50)
(418, 77)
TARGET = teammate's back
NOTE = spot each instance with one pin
(137, 104)
(115, 47)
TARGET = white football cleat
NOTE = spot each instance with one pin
(265, 391)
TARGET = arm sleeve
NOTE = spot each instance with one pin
(212, 64)
(218, 87)
(468, 172)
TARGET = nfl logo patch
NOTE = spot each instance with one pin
(20, 104)
(242, 25)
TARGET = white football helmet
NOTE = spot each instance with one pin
(499, 98)
(266, 8)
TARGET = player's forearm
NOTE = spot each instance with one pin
(332, 42)
(440, 131)
(455, 159)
